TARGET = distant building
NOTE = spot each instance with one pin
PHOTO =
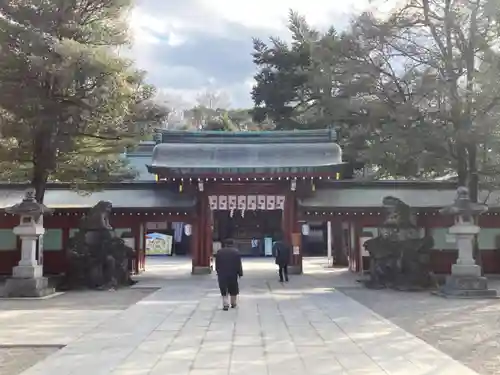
(248, 185)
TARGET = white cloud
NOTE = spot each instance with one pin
(272, 14)
(147, 29)
(163, 26)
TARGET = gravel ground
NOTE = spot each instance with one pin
(467, 330)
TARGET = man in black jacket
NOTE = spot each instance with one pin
(229, 269)
(282, 253)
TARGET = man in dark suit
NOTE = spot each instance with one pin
(229, 268)
(282, 253)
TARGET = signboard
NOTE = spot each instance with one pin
(362, 249)
(158, 244)
(296, 243)
(268, 246)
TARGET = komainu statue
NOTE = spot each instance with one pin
(399, 257)
(97, 258)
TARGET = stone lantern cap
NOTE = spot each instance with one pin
(29, 207)
(463, 207)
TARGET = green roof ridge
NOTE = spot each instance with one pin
(276, 136)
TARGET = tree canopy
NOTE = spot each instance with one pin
(414, 93)
(281, 91)
(212, 112)
(69, 104)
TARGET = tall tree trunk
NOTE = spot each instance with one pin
(473, 180)
(462, 164)
(41, 163)
(39, 183)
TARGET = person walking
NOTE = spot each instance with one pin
(282, 253)
(229, 268)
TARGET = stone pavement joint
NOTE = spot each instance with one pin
(303, 327)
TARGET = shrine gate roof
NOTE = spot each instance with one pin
(206, 152)
(131, 196)
(349, 194)
(369, 194)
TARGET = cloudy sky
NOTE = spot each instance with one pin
(191, 45)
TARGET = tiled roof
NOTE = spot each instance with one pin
(120, 198)
(240, 156)
(247, 137)
(139, 164)
(359, 197)
(246, 152)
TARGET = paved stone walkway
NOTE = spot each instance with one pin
(467, 330)
(31, 330)
(304, 327)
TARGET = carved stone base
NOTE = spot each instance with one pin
(295, 270)
(464, 270)
(197, 270)
(27, 272)
(466, 287)
(31, 288)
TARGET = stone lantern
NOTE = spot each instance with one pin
(27, 277)
(465, 280)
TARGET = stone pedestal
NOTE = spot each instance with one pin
(467, 287)
(199, 270)
(295, 270)
(27, 277)
(28, 288)
(27, 272)
(465, 280)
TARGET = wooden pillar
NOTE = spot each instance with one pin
(329, 243)
(202, 252)
(195, 239)
(207, 234)
(292, 233)
(339, 249)
(287, 225)
(358, 230)
(139, 251)
(194, 244)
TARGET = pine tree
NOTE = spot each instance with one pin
(67, 97)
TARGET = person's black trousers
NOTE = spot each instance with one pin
(229, 285)
(283, 272)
